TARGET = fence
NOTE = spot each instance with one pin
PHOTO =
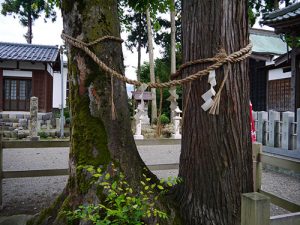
(256, 206)
(277, 129)
(64, 172)
(258, 158)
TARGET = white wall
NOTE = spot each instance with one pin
(17, 73)
(277, 74)
(57, 88)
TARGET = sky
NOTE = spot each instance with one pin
(49, 34)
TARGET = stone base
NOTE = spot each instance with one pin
(36, 138)
(176, 136)
(138, 137)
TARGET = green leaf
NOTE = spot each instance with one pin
(114, 185)
(107, 176)
(160, 187)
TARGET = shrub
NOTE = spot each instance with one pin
(122, 204)
(43, 134)
(163, 120)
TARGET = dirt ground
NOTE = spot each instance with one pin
(30, 195)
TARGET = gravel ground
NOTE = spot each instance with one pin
(30, 195)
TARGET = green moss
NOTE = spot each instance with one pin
(89, 140)
(66, 206)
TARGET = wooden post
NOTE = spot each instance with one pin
(261, 116)
(287, 119)
(255, 209)
(298, 129)
(273, 116)
(257, 165)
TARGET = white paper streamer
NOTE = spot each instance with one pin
(207, 96)
(211, 92)
(207, 104)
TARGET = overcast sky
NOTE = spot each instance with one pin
(49, 34)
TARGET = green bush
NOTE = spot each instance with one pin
(122, 205)
(43, 134)
(163, 120)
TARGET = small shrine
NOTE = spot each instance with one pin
(146, 96)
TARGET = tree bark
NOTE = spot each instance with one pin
(151, 65)
(28, 35)
(138, 74)
(173, 38)
(173, 49)
(215, 160)
(97, 138)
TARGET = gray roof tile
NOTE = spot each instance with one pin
(28, 52)
(284, 14)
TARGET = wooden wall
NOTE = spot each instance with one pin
(279, 95)
(1, 89)
(42, 87)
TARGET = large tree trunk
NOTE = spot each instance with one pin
(96, 137)
(151, 65)
(215, 161)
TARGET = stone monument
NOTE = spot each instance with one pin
(34, 119)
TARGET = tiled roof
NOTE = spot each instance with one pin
(28, 52)
(266, 42)
(285, 14)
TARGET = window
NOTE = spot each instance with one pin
(17, 93)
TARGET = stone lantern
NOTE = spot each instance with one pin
(177, 118)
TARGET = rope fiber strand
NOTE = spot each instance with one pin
(219, 60)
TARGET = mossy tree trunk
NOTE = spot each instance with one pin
(215, 161)
(100, 129)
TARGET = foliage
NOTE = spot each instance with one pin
(123, 204)
(43, 134)
(28, 11)
(163, 120)
(162, 72)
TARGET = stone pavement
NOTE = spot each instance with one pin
(14, 220)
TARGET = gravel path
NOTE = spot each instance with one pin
(30, 195)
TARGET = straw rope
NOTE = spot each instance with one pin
(219, 60)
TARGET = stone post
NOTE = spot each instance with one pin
(298, 129)
(255, 209)
(48, 124)
(286, 140)
(273, 116)
(262, 117)
(57, 124)
(34, 119)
